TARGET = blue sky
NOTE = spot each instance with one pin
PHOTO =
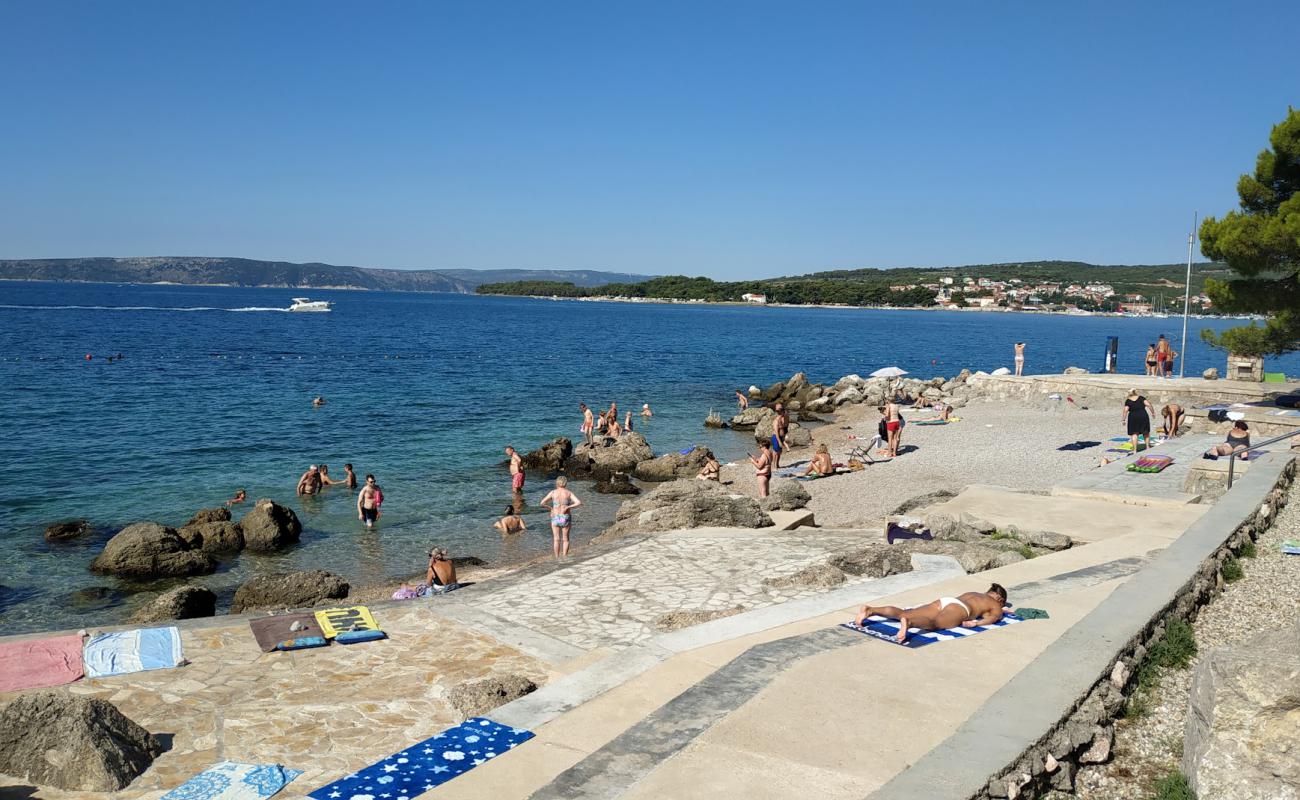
(734, 140)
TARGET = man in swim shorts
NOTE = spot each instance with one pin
(368, 500)
(969, 610)
(893, 427)
(516, 470)
(780, 427)
(561, 502)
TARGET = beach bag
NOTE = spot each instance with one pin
(1218, 415)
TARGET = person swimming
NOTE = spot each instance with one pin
(510, 522)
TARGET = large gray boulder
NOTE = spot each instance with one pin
(149, 550)
(686, 504)
(73, 743)
(288, 590)
(269, 526)
(750, 417)
(550, 457)
(785, 495)
(671, 466)
(1243, 727)
(608, 455)
(67, 529)
(183, 602)
(214, 537)
(204, 515)
(874, 561)
(476, 698)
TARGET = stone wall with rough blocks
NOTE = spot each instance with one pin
(1086, 734)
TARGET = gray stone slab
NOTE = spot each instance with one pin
(524, 639)
(1115, 482)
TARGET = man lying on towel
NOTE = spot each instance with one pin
(970, 610)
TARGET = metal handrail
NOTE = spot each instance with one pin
(1232, 459)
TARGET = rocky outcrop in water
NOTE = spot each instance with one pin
(206, 515)
(214, 537)
(608, 455)
(685, 504)
(288, 590)
(618, 483)
(66, 530)
(149, 550)
(672, 466)
(183, 602)
(269, 526)
(73, 743)
(550, 457)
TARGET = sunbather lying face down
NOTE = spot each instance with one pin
(969, 610)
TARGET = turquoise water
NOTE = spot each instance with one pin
(424, 390)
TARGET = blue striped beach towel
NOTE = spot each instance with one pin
(132, 651)
(886, 629)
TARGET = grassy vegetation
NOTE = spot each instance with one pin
(1248, 549)
(1173, 650)
(1173, 786)
(1232, 570)
(1026, 551)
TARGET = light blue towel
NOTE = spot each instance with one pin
(133, 651)
(230, 780)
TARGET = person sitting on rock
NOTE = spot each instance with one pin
(711, 471)
(439, 579)
(969, 610)
(511, 522)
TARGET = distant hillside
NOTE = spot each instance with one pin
(281, 274)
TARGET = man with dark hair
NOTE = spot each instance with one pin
(969, 610)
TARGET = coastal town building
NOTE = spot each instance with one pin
(760, 299)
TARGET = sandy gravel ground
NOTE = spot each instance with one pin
(994, 443)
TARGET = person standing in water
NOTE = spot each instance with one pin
(516, 470)
(310, 481)
(742, 402)
(645, 411)
(588, 423)
(510, 522)
(1020, 359)
(349, 477)
(368, 500)
(561, 503)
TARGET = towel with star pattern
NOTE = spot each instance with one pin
(430, 763)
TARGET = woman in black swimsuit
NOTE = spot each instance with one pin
(1237, 442)
(1138, 413)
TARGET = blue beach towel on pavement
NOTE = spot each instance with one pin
(886, 629)
(430, 763)
(132, 651)
(231, 780)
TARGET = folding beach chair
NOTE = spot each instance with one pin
(864, 452)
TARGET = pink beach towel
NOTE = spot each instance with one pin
(37, 663)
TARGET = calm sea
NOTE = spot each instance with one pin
(214, 388)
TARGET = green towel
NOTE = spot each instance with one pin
(1031, 613)
(1274, 377)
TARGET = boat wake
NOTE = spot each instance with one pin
(138, 308)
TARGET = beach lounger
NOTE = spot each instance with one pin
(40, 663)
(886, 629)
(866, 453)
(231, 780)
(429, 763)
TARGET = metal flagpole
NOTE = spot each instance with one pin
(1187, 292)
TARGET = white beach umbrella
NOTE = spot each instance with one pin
(889, 372)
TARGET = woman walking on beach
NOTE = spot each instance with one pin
(1137, 414)
(561, 502)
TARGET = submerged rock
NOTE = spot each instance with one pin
(67, 529)
(150, 550)
(183, 602)
(73, 743)
(288, 590)
(269, 526)
(474, 699)
(205, 515)
(684, 504)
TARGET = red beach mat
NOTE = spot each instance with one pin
(38, 663)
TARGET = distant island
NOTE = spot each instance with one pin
(198, 270)
(1030, 285)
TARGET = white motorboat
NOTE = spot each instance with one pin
(303, 304)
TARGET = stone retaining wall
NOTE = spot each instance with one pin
(1085, 736)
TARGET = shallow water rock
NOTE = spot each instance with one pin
(269, 526)
(288, 590)
(671, 466)
(813, 576)
(183, 602)
(608, 455)
(150, 550)
(1243, 719)
(214, 537)
(714, 420)
(785, 495)
(549, 457)
(204, 515)
(683, 504)
(750, 417)
(67, 529)
(676, 620)
(73, 743)
(94, 598)
(618, 483)
(476, 698)
(772, 392)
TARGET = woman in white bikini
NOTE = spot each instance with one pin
(1020, 358)
(970, 610)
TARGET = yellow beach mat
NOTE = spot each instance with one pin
(334, 621)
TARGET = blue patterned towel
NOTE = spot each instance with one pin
(430, 763)
(886, 629)
(233, 781)
(132, 651)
